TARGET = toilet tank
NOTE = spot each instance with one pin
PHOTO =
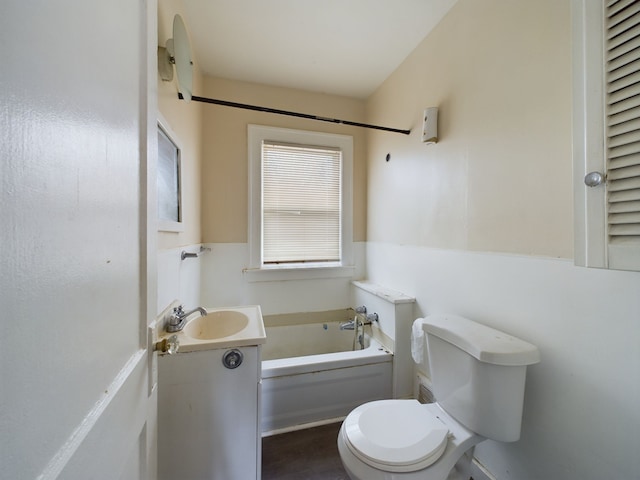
(478, 374)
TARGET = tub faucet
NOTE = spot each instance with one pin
(369, 318)
(350, 325)
(178, 319)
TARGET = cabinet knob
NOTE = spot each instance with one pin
(168, 345)
(593, 179)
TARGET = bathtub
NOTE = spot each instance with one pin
(311, 375)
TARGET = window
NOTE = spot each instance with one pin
(169, 181)
(300, 201)
(301, 208)
(606, 135)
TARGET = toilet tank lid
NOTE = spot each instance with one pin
(484, 343)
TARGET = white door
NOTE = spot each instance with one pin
(77, 271)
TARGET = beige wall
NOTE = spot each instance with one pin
(225, 163)
(185, 121)
(499, 180)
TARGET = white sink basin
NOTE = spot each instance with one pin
(225, 327)
(217, 324)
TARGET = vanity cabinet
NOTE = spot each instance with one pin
(209, 415)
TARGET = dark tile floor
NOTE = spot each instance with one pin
(310, 454)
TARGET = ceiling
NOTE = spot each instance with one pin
(340, 47)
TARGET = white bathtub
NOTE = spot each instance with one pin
(311, 375)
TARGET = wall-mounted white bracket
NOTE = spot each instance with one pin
(430, 126)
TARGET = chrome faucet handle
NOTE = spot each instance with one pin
(361, 309)
(176, 317)
(372, 317)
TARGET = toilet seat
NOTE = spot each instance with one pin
(395, 435)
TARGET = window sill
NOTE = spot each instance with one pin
(169, 226)
(274, 274)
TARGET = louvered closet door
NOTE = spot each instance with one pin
(622, 74)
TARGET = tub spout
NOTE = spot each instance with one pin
(350, 325)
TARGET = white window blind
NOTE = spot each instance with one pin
(302, 203)
(622, 78)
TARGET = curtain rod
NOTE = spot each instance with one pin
(292, 114)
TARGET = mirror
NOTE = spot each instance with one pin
(182, 58)
(178, 53)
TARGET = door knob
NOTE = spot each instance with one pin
(168, 345)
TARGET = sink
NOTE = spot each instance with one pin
(222, 327)
(217, 324)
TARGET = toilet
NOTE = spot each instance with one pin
(478, 376)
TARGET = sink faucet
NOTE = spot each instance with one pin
(178, 319)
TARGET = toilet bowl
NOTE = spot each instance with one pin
(403, 439)
(478, 377)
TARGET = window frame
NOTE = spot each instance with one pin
(175, 197)
(257, 271)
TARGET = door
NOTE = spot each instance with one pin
(77, 288)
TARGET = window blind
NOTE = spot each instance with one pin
(301, 202)
(622, 75)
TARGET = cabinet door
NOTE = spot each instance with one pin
(208, 416)
(606, 134)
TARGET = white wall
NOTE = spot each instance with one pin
(179, 279)
(224, 283)
(217, 279)
(580, 417)
(395, 312)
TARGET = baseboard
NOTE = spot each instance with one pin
(480, 472)
(302, 426)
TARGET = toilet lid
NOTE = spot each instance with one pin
(395, 435)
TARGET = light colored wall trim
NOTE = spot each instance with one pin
(588, 132)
